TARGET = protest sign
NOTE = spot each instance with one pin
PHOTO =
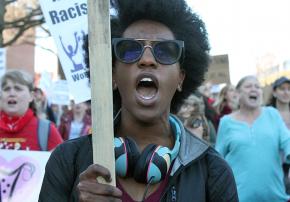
(2, 61)
(45, 81)
(59, 93)
(68, 24)
(21, 174)
(218, 70)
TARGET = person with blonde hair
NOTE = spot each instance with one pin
(226, 102)
(18, 121)
(250, 140)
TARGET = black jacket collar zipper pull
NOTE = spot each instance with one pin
(173, 194)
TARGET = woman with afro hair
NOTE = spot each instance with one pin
(160, 55)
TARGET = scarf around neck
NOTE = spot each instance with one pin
(14, 123)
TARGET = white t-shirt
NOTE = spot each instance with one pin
(75, 129)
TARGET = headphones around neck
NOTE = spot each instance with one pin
(149, 166)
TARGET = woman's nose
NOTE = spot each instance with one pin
(11, 91)
(147, 59)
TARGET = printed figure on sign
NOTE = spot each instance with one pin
(14, 180)
(74, 52)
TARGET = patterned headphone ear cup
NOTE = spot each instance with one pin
(121, 159)
(159, 164)
(126, 156)
(133, 155)
(141, 167)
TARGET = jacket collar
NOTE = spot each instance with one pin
(191, 148)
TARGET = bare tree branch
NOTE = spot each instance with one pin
(34, 15)
(45, 30)
(18, 25)
(40, 46)
(20, 32)
(6, 2)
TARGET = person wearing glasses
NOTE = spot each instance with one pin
(192, 114)
(160, 55)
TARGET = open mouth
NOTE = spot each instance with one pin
(147, 87)
(253, 97)
(12, 102)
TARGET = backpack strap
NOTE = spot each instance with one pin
(43, 132)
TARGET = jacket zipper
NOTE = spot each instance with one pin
(173, 178)
(173, 194)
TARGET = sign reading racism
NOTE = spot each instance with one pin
(68, 24)
(21, 174)
(219, 70)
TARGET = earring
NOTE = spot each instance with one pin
(179, 88)
(114, 85)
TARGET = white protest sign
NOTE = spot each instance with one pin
(21, 174)
(59, 93)
(2, 61)
(68, 24)
(45, 81)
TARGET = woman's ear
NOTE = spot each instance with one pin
(114, 85)
(181, 79)
(32, 95)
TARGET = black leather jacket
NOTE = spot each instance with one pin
(198, 174)
(205, 178)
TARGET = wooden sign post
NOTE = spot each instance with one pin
(101, 84)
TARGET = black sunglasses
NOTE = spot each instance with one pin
(131, 50)
(195, 123)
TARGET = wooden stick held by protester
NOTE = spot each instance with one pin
(101, 85)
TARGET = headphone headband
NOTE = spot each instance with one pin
(177, 132)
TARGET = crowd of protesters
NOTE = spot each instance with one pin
(231, 147)
(236, 122)
(251, 134)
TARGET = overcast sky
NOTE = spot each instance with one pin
(243, 29)
(246, 30)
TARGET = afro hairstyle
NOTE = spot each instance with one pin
(184, 24)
